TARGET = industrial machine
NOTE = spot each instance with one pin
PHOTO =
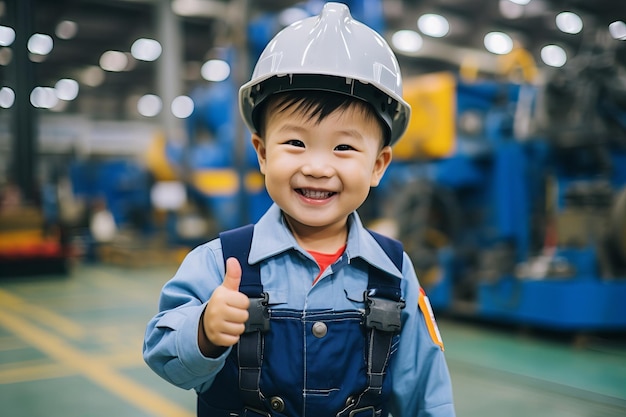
(29, 242)
(509, 219)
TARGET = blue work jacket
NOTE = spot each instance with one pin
(420, 383)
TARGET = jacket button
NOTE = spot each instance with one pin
(319, 329)
(277, 404)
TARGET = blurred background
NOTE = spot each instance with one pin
(121, 148)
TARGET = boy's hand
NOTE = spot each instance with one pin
(226, 312)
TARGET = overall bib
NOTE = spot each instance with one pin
(321, 363)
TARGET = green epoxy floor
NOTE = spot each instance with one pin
(71, 347)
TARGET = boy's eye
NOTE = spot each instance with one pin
(344, 148)
(295, 142)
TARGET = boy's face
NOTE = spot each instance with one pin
(319, 172)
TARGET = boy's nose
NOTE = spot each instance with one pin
(318, 166)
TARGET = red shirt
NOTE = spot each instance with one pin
(326, 259)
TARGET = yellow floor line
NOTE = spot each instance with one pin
(101, 374)
(23, 372)
(42, 315)
(135, 289)
(38, 369)
(8, 343)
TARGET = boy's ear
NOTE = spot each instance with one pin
(380, 166)
(259, 147)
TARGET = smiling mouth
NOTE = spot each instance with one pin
(315, 194)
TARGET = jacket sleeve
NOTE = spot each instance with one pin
(171, 340)
(421, 380)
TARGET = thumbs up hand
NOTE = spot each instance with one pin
(224, 317)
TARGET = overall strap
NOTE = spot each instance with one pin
(236, 243)
(392, 247)
(383, 304)
(386, 285)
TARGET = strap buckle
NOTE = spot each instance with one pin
(382, 314)
(259, 317)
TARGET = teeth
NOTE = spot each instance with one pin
(315, 194)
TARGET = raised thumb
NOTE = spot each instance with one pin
(232, 279)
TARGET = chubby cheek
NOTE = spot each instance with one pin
(368, 175)
(277, 173)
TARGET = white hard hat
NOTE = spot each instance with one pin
(330, 52)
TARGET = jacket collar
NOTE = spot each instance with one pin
(272, 237)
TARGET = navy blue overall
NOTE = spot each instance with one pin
(313, 363)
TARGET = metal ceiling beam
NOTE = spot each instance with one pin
(24, 120)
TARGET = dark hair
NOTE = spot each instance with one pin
(317, 105)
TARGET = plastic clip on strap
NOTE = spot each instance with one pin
(382, 314)
(258, 319)
(383, 318)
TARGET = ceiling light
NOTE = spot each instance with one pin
(168, 195)
(43, 97)
(569, 22)
(40, 44)
(37, 57)
(7, 36)
(92, 76)
(7, 97)
(498, 43)
(66, 29)
(291, 15)
(553, 55)
(149, 105)
(60, 106)
(200, 8)
(66, 89)
(215, 70)
(6, 55)
(182, 107)
(114, 61)
(617, 30)
(520, 2)
(407, 41)
(433, 25)
(131, 62)
(510, 9)
(146, 49)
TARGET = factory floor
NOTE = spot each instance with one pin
(70, 346)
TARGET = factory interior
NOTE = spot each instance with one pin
(122, 148)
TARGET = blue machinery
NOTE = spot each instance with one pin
(527, 230)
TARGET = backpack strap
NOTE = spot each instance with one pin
(236, 243)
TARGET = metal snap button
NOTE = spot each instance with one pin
(277, 404)
(319, 329)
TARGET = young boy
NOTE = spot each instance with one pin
(310, 314)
